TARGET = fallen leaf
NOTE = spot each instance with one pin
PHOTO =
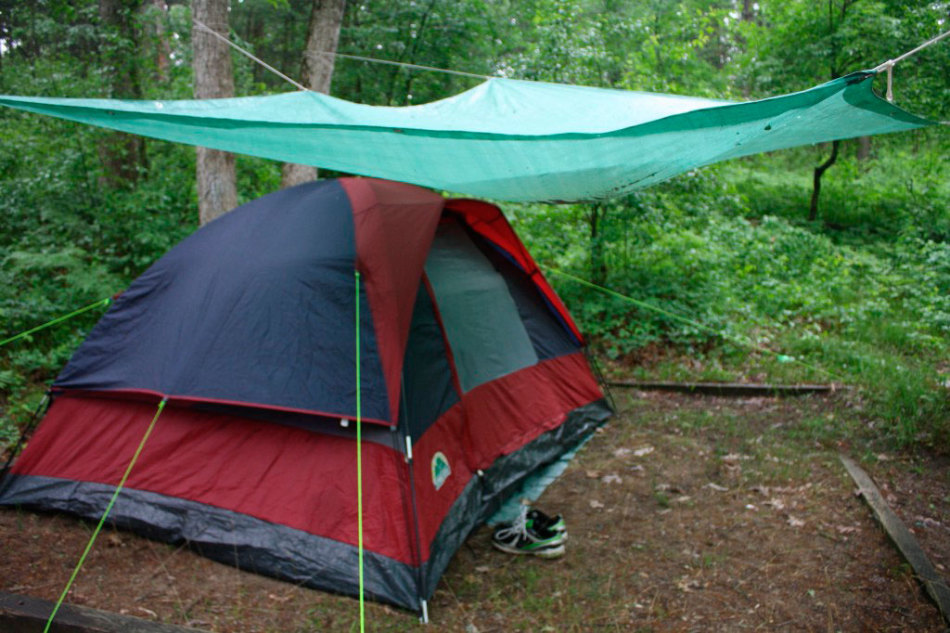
(687, 584)
(645, 450)
(792, 521)
(611, 479)
(716, 487)
(483, 569)
(734, 457)
(596, 505)
(622, 452)
(776, 503)
(593, 474)
(927, 522)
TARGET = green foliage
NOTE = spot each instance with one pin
(864, 301)
(746, 287)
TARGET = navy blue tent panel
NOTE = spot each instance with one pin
(256, 307)
(428, 391)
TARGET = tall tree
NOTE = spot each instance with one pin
(122, 155)
(217, 188)
(316, 69)
(155, 46)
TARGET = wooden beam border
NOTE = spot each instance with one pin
(733, 389)
(24, 614)
(935, 585)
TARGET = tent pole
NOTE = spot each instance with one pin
(413, 507)
(599, 374)
(37, 413)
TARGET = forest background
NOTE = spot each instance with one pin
(753, 282)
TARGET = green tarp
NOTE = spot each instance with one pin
(504, 139)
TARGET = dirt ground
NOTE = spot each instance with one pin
(685, 513)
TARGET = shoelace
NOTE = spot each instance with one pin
(518, 528)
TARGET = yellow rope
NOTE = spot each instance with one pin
(95, 533)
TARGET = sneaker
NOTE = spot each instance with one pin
(524, 537)
(543, 522)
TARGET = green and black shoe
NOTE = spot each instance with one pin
(530, 536)
(542, 522)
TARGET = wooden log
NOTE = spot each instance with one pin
(734, 389)
(935, 585)
(23, 614)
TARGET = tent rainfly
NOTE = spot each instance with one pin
(504, 139)
(472, 378)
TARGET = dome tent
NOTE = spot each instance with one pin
(472, 378)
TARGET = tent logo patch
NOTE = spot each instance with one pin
(440, 469)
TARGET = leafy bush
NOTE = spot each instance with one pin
(722, 270)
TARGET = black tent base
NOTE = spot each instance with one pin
(289, 554)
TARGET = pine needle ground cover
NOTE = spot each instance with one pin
(684, 513)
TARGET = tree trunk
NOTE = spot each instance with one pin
(816, 190)
(748, 10)
(122, 155)
(598, 263)
(864, 147)
(217, 189)
(156, 47)
(316, 70)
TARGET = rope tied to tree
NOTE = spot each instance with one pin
(888, 66)
(101, 302)
(205, 29)
(391, 62)
(748, 344)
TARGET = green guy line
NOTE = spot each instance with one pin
(95, 533)
(782, 358)
(101, 302)
(359, 462)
